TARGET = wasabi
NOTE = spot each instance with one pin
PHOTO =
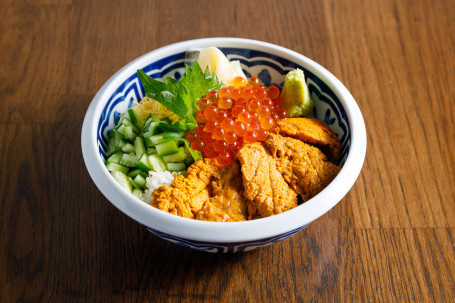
(295, 95)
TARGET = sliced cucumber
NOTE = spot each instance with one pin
(134, 173)
(122, 116)
(153, 129)
(172, 166)
(110, 145)
(128, 148)
(117, 140)
(135, 118)
(140, 181)
(120, 129)
(122, 179)
(133, 184)
(137, 193)
(148, 142)
(156, 163)
(112, 167)
(139, 146)
(166, 148)
(129, 133)
(136, 146)
(158, 139)
(151, 150)
(143, 163)
(176, 157)
(129, 160)
(123, 142)
(127, 122)
(115, 157)
(147, 123)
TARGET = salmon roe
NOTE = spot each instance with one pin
(233, 116)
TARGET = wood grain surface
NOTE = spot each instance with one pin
(391, 239)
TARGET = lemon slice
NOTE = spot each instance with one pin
(219, 64)
(149, 106)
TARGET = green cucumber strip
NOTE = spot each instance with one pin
(176, 157)
(153, 129)
(151, 150)
(139, 146)
(122, 179)
(127, 122)
(135, 118)
(143, 163)
(129, 133)
(147, 123)
(148, 142)
(111, 166)
(117, 139)
(110, 147)
(123, 142)
(140, 181)
(133, 184)
(158, 139)
(124, 115)
(120, 129)
(137, 193)
(128, 148)
(173, 166)
(129, 160)
(134, 173)
(115, 157)
(166, 148)
(156, 163)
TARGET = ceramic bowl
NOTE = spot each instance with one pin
(333, 104)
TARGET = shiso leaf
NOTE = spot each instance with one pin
(181, 96)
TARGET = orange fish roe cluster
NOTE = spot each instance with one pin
(234, 116)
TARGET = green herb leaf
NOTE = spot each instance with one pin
(198, 83)
(181, 96)
(165, 93)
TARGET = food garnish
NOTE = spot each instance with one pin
(181, 96)
(219, 64)
(296, 96)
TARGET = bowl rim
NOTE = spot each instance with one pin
(224, 232)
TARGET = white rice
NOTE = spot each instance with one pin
(155, 180)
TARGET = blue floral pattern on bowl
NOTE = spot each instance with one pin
(270, 69)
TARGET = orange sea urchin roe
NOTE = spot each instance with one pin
(233, 116)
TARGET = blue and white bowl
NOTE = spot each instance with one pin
(333, 104)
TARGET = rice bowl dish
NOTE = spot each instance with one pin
(212, 235)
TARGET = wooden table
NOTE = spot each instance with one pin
(391, 239)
